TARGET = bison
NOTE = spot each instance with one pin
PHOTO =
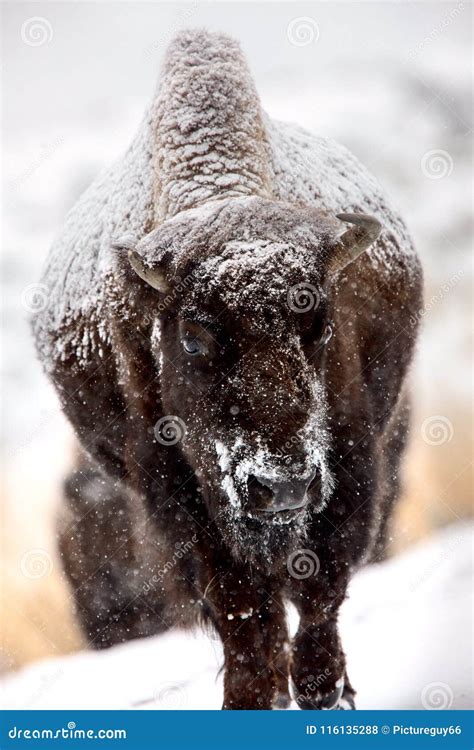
(232, 315)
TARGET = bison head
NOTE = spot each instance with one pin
(239, 297)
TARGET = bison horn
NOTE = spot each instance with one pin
(126, 242)
(354, 241)
(153, 276)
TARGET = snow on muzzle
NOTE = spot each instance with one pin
(260, 484)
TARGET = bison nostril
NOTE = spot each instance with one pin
(314, 481)
(260, 495)
(271, 496)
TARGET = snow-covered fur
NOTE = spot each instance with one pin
(192, 297)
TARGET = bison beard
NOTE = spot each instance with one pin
(231, 347)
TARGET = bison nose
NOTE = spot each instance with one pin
(272, 496)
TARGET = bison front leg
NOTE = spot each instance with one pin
(273, 619)
(253, 633)
(249, 681)
(318, 669)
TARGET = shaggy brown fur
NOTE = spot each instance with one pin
(239, 457)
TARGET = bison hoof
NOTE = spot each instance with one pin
(347, 702)
(339, 699)
(330, 701)
(281, 701)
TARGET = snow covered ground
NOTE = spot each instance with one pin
(406, 628)
(389, 80)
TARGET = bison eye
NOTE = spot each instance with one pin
(193, 346)
(327, 335)
(317, 338)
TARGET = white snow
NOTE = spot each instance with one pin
(405, 628)
(390, 107)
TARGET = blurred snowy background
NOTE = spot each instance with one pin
(391, 80)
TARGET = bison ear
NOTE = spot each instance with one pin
(354, 241)
(153, 276)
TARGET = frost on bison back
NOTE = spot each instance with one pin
(229, 331)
